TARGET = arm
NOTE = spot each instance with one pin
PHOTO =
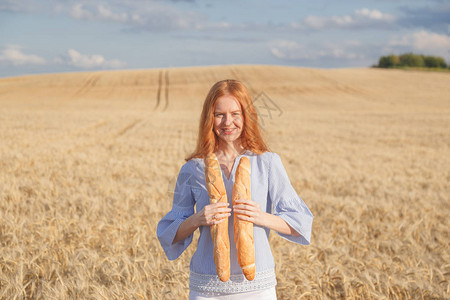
(250, 211)
(278, 224)
(186, 229)
(287, 204)
(209, 215)
(182, 208)
(291, 218)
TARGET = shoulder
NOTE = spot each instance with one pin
(193, 166)
(267, 157)
(190, 172)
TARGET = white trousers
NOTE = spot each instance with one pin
(267, 294)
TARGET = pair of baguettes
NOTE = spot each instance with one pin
(243, 230)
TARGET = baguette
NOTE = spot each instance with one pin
(243, 230)
(219, 232)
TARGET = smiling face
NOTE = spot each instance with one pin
(228, 119)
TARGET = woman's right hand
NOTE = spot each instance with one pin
(213, 214)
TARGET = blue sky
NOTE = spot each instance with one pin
(48, 36)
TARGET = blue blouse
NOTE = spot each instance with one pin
(270, 187)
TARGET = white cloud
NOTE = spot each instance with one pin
(106, 13)
(147, 15)
(293, 51)
(12, 54)
(138, 14)
(79, 12)
(374, 15)
(360, 18)
(288, 50)
(160, 16)
(422, 41)
(76, 59)
(100, 11)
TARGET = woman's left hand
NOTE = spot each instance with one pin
(248, 210)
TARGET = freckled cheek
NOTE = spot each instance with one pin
(216, 125)
(238, 122)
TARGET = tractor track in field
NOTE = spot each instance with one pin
(89, 83)
(127, 128)
(163, 82)
(166, 94)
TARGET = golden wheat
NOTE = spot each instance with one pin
(88, 163)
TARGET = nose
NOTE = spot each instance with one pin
(227, 119)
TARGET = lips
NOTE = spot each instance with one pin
(228, 131)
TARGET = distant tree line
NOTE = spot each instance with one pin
(412, 60)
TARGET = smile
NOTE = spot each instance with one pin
(228, 131)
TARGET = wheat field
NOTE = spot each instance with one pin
(88, 163)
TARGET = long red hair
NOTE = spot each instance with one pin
(251, 137)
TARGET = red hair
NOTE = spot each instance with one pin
(251, 137)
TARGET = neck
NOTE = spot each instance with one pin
(230, 150)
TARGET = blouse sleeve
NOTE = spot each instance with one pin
(287, 204)
(182, 208)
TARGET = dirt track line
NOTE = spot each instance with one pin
(127, 128)
(90, 82)
(337, 85)
(158, 93)
(91, 127)
(166, 94)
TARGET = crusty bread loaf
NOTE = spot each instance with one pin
(243, 230)
(219, 232)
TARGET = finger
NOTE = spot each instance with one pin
(222, 210)
(245, 212)
(211, 220)
(245, 218)
(243, 207)
(219, 221)
(221, 216)
(245, 202)
(213, 208)
(218, 216)
(216, 212)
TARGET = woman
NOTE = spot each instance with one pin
(229, 128)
